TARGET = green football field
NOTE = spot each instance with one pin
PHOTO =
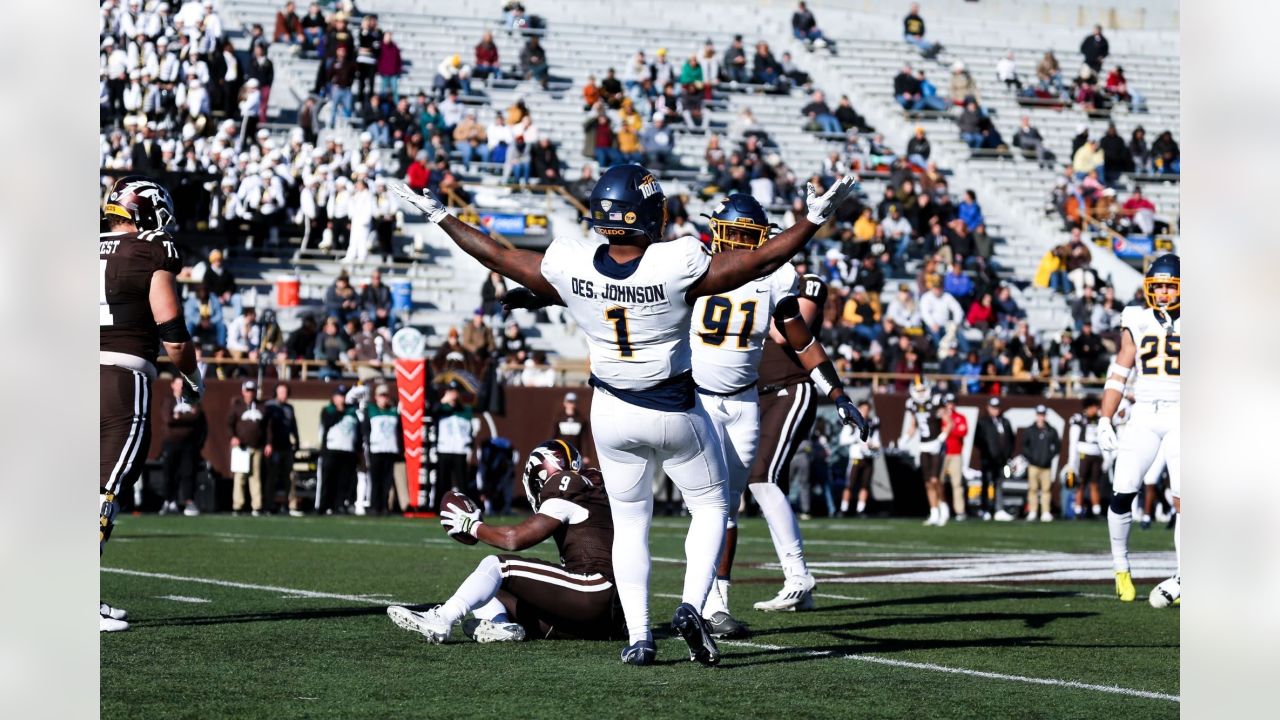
(284, 618)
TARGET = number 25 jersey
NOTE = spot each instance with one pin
(728, 331)
(1157, 366)
(634, 314)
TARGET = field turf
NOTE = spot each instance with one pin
(284, 618)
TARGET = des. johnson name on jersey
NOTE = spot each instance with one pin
(633, 294)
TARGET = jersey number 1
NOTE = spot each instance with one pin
(618, 315)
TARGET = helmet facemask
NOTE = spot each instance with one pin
(1172, 296)
(736, 235)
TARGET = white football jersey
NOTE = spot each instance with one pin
(634, 315)
(1156, 367)
(728, 331)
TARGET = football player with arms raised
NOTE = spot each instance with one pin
(633, 296)
(1150, 346)
(514, 598)
(728, 336)
(138, 312)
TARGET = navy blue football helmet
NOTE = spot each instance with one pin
(738, 222)
(627, 200)
(1164, 270)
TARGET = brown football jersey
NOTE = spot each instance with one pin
(779, 364)
(128, 260)
(586, 546)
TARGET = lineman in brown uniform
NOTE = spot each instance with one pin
(138, 311)
(514, 597)
(788, 406)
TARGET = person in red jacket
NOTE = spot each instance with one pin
(951, 465)
(982, 313)
(418, 174)
(486, 58)
(390, 68)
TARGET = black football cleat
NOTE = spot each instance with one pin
(643, 652)
(689, 623)
(724, 625)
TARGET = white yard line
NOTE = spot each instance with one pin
(1110, 689)
(839, 597)
(251, 586)
(294, 592)
(183, 598)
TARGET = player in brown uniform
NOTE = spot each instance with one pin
(788, 407)
(924, 416)
(515, 597)
(138, 312)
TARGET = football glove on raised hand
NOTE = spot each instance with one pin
(457, 521)
(849, 415)
(822, 207)
(1107, 440)
(426, 203)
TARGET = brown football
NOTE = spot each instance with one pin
(456, 498)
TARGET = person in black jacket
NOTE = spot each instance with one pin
(1095, 49)
(1115, 154)
(1040, 444)
(184, 433)
(261, 69)
(282, 442)
(993, 441)
(913, 33)
(339, 445)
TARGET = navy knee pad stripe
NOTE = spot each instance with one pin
(1122, 503)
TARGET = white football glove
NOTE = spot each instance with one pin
(457, 521)
(1107, 440)
(426, 203)
(821, 208)
(193, 388)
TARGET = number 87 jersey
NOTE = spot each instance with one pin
(1157, 367)
(728, 331)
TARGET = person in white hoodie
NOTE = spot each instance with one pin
(360, 210)
(940, 312)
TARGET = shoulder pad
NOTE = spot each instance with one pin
(812, 287)
(1132, 316)
(565, 485)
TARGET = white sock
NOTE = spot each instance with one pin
(477, 590)
(844, 506)
(783, 527)
(707, 517)
(1177, 541)
(1097, 510)
(717, 599)
(1118, 525)
(862, 505)
(631, 521)
(493, 611)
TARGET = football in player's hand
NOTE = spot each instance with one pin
(467, 506)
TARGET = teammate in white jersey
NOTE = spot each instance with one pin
(1150, 339)
(727, 336)
(633, 296)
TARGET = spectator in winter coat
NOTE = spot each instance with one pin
(486, 58)
(385, 437)
(940, 313)
(993, 442)
(246, 425)
(1028, 139)
(288, 26)
(340, 441)
(1040, 445)
(1095, 49)
(390, 68)
(533, 61)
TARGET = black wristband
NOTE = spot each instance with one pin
(825, 378)
(174, 331)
